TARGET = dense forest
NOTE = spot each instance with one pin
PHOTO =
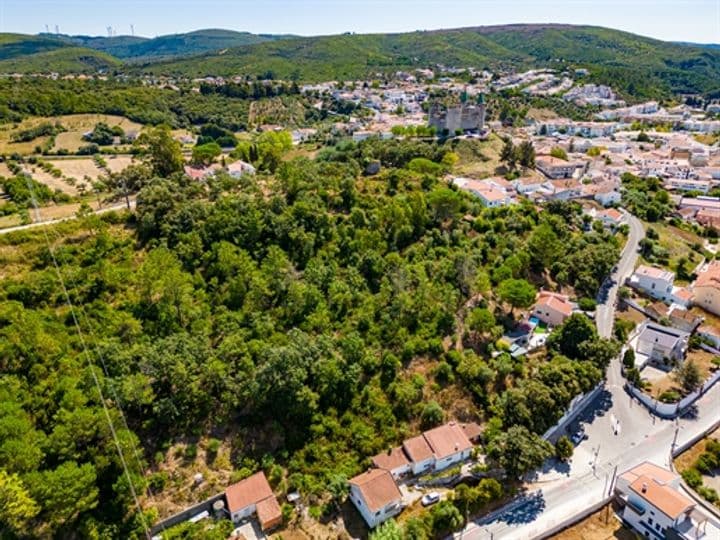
(289, 313)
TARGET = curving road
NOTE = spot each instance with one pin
(557, 494)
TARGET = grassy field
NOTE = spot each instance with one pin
(479, 159)
(50, 181)
(75, 124)
(678, 243)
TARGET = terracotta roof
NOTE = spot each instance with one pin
(246, 492)
(649, 469)
(391, 460)
(612, 214)
(558, 302)
(418, 449)
(710, 276)
(682, 293)
(472, 430)
(269, 513)
(663, 497)
(447, 440)
(377, 487)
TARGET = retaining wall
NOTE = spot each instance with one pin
(576, 406)
(672, 410)
(187, 514)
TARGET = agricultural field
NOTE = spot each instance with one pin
(50, 181)
(71, 139)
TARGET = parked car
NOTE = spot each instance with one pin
(578, 436)
(430, 498)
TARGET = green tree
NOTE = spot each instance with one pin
(526, 154)
(559, 153)
(687, 374)
(519, 293)
(544, 246)
(518, 451)
(162, 152)
(564, 448)
(206, 154)
(569, 337)
(389, 530)
(508, 154)
(65, 492)
(17, 507)
(432, 415)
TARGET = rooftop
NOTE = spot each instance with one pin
(418, 449)
(377, 488)
(709, 276)
(655, 273)
(447, 440)
(390, 460)
(663, 497)
(247, 492)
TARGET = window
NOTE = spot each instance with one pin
(650, 522)
(657, 526)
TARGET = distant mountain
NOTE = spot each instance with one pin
(130, 48)
(634, 64)
(637, 66)
(705, 45)
(28, 54)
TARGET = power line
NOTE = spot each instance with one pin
(81, 336)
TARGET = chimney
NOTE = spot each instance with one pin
(644, 488)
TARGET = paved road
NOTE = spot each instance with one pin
(120, 206)
(621, 434)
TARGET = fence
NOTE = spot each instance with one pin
(186, 514)
(576, 406)
(672, 410)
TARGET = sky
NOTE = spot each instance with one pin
(677, 20)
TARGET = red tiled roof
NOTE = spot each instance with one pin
(377, 487)
(246, 492)
(666, 499)
(391, 460)
(269, 513)
(710, 276)
(447, 440)
(418, 449)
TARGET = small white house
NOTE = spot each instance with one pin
(662, 344)
(420, 454)
(238, 168)
(376, 496)
(655, 282)
(449, 444)
(654, 506)
(253, 495)
(608, 196)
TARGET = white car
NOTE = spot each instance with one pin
(430, 498)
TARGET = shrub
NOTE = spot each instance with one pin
(587, 304)
(670, 396)
(692, 477)
(709, 494)
(564, 448)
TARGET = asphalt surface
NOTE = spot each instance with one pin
(621, 434)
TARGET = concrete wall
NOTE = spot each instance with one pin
(576, 406)
(187, 514)
(672, 410)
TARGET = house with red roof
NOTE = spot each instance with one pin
(253, 495)
(552, 308)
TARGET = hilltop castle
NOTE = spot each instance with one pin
(464, 117)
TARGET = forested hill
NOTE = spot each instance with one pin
(629, 61)
(635, 65)
(30, 54)
(132, 48)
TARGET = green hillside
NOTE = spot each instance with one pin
(636, 64)
(170, 46)
(19, 45)
(63, 59)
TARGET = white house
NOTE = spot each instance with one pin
(376, 496)
(449, 444)
(555, 168)
(654, 506)
(655, 282)
(420, 454)
(662, 344)
(491, 194)
(238, 168)
(253, 495)
(552, 308)
(607, 194)
(610, 218)
(527, 184)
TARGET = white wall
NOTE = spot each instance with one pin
(243, 513)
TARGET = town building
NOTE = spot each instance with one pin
(552, 308)
(253, 495)
(376, 496)
(238, 168)
(395, 461)
(663, 346)
(655, 282)
(706, 289)
(556, 168)
(653, 505)
(460, 118)
(610, 218)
